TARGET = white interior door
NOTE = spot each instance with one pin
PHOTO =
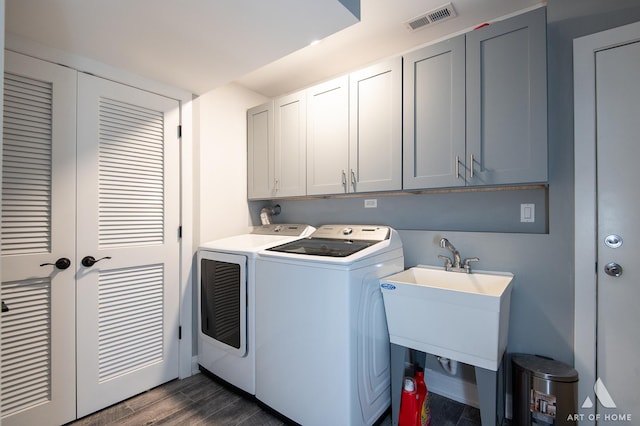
(128, 216)
(38, 227)
(618, 149)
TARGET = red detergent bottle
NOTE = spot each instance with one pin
(424, 407)
(409, 404)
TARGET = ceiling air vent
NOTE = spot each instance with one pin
(438, 14)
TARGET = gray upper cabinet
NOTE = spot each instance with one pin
(276, 148)
(507, 101)
(328, 137)
(375, 142)
(260, 152)
(475, 107)
(468, 111)
(290, 129)
(354, 132)
(434, 116)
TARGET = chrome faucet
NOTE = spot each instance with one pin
(455, 265)
(444, 243)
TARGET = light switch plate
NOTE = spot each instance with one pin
(527, 212)
(371, 203)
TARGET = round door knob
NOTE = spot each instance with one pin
(62, 263)
(89, 261)
(613, 269)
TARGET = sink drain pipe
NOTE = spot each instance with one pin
(448, 365)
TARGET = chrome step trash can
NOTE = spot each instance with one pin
(545, 391)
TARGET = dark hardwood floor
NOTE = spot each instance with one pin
(199, 400)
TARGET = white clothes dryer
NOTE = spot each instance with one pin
(226, 301)
(322, 344)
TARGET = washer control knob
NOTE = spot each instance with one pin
(347, 231)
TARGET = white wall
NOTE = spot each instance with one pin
(220, 162)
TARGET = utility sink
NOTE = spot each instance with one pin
(460, 316)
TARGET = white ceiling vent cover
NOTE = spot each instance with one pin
(436, 15)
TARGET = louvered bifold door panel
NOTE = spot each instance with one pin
(128, 216)
(26, 165)
(130, 328)
(131, 175)
(26, 345)
(38, 227)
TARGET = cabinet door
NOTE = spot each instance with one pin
(38, 228)
(375, 143)
(260, 152)
(434, 116)
(290, 145)
(507, 101)
(328, 137)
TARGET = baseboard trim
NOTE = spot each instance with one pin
(195, 369)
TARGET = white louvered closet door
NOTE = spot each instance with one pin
(38, 226)
(128, 216)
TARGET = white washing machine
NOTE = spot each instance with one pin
(322, 344)
(226, 301)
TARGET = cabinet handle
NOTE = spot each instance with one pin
(471, 165)
(353, 179)
(344, 180)
(276, 185)
(457, 167)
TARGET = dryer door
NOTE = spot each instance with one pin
(223, 300)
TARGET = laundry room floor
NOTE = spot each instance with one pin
(199, 400)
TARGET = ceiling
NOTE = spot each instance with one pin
(199, 45)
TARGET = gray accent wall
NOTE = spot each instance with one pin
(490, 211)
(486, 224)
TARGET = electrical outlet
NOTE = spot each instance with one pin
(527, 212)
(371, 203)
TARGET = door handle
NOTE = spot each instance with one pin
(62, 263)
(613, 269)
(89, 261)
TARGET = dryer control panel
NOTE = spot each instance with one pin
(285, 229)
(352, 232)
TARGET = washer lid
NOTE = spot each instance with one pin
(336, 240)
(324, 247)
